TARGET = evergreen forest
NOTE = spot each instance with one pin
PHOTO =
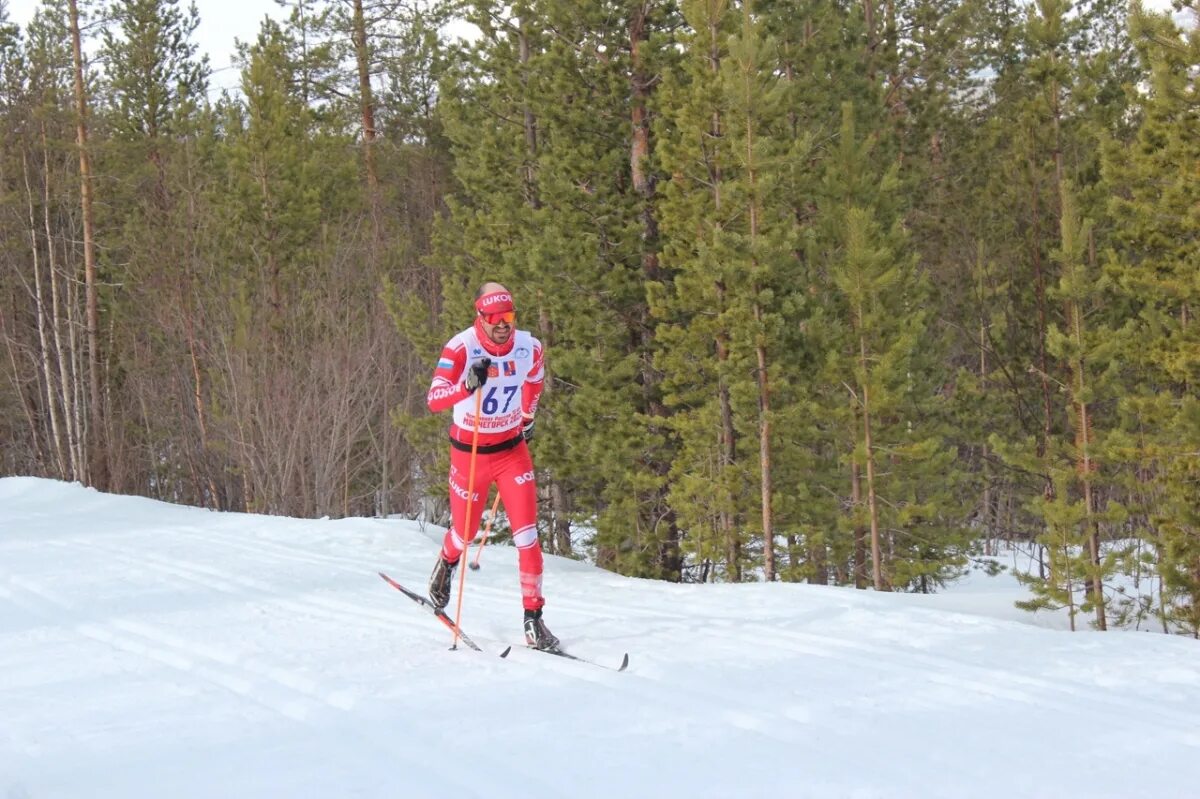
(841, 291)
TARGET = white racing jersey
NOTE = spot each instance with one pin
(510, 394)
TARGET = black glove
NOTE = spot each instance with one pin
(527, 428)
(477, 375)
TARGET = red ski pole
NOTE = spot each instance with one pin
(462, 573)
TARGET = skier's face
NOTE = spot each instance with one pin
(498, 326)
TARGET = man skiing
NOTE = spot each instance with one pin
(505, 364)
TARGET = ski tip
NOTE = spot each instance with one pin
(624, 663)
(507, 649)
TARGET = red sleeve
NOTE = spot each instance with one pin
(445, 390)
(531, 391)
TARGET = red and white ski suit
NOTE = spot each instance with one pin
(509, 399)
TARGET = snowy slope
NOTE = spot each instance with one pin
(149, 650)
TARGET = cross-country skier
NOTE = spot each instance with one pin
(504, 363)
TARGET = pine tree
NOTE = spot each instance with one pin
(709, 473)
(152, 97)
(275, 179)
(542, 127)
(1153, 265)
(822, 61)
(1073, 513)
(759, 135)
(728, 136)
(156, 76)
(914, 538)
(287, 184)
(1042, 122)
(28, 448)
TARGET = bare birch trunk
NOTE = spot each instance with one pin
(56, 437)
(35, 438)
(198, 401)
(65, 393)
(77, 367)
(97, 454)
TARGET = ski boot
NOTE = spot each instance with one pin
(439, 582)
(537, 635)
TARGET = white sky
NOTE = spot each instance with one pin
(221, 22)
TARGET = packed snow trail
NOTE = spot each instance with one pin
(151, 650)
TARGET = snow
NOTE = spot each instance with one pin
(151, 650)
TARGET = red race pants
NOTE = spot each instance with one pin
(512, 472)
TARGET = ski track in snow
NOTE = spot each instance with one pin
(149, 650)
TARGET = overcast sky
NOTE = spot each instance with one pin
(221, 22)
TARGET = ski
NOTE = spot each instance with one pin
(560, 653)
(445, 619)
(441, 615)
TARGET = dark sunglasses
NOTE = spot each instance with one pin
(497, 318)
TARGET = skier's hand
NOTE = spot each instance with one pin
(477, 375)
(527, 428)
